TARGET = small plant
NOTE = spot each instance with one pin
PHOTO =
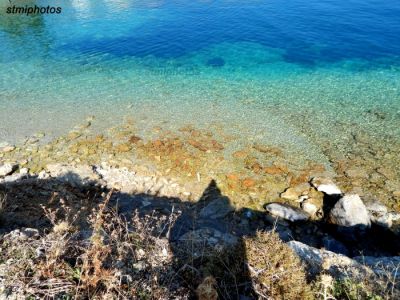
(276, 271)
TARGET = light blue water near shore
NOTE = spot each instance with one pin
(265, 70)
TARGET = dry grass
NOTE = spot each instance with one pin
(127, 257)
(113, 259)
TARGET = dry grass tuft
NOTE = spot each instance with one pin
(206, 290)
(276, 271)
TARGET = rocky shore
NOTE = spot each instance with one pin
(333, 233)
(198, 195)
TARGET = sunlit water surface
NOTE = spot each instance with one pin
(289, 73)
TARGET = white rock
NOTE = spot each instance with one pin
(287, 212)
(350, 211)
(394, 216)
(375, 207)
(309, 208)
(24, 171)
(13, 178)
(378, 214)
(43, 175)
(7, 169)
(326, 186)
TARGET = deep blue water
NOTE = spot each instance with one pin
(310, 32)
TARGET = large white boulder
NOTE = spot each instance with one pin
(350, 211)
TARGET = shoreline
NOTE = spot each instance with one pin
(251, 175)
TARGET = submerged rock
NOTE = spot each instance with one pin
(294, 193)
(216, 62)
(350, 211)
(7, 149)
(286, 212)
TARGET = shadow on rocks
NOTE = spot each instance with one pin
(206, 237)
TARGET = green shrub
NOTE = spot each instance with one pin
(275, 269)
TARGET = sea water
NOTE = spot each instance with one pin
(289, 73)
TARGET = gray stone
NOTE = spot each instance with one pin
(350, 211)
(286, 212)
(336, 265)
(285, 234)
(217, 209)
(378, 214)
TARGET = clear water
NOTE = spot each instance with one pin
(284, 72)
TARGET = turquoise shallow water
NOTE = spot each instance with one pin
(291, 74)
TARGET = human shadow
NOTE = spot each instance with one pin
(207, 237)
